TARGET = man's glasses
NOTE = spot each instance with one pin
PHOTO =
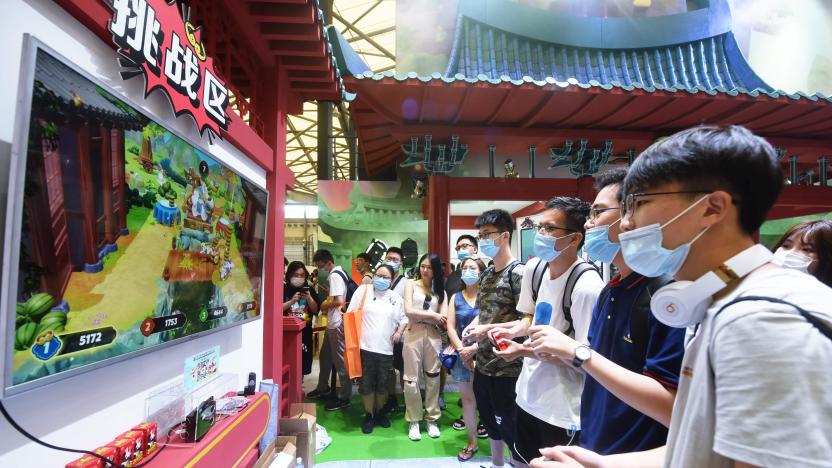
(550, 229)
(464, 246)
(594, 213)
(630, 204)
(484, 235)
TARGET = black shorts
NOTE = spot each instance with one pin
(398, 358)
(496, 403)
(374, 370)
(534, 434)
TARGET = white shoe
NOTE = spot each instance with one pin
(414, 434)
(433, 429)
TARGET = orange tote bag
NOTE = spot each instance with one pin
(352, 339)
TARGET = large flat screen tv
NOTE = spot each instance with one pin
(121, 236)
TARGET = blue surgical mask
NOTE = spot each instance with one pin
(462, 255)
(382, 284)
(394, 265)
(598, 245)
(643, 251)
(544, 247)
(488, 248)
(470, 277)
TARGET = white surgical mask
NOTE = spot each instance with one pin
(792, 259)
(297, 282)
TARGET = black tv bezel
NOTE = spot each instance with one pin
(14, 216)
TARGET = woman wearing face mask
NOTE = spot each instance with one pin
(426, 310)
(382, 313)
(462, 310)
(807, 246)
(299, 301)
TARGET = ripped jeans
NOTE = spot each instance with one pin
(421, 362)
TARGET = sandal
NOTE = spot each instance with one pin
(467, 453)
(482, 432)
(459, 425)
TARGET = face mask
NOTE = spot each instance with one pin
(470, 277)
(382, 284)
(394, 265)
(462, 255)
(792, 259)
(643, 251)
(323, 276)
(488, 248)
(361, 268)
(598, 245)
(297, 282)
(544, 247)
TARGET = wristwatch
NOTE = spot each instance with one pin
(582, 354)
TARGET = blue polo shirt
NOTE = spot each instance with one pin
(608, 425)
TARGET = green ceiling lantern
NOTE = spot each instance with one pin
(436, 159)
(581, 161)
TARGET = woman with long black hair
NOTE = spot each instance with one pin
(299, 301)
(426, 310)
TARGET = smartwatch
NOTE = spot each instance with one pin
(582, 354)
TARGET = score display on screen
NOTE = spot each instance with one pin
(130, 237)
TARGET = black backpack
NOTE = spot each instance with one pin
(566, 301)
(410, 252)
(351, 286)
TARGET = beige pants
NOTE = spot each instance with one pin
(421, 361)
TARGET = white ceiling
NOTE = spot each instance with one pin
(475, 208)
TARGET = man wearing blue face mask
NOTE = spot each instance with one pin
(558, 292)
(756, 368)
(635, 359)
(466, 246)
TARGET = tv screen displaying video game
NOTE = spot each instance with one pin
(130, 237)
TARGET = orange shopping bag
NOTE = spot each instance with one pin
(352, 339)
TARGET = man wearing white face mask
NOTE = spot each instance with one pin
(558, 292)
(757, 366)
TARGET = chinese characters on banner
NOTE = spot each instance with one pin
(157, 42)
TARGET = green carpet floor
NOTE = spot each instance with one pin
(349, 443)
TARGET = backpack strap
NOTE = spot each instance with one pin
(396, 283)
(822, 327)
(537, 278)
(566, 302)
(511, 268)
(640, 313)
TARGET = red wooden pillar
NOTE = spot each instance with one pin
(121, 202)
(438, 205)
(87, 200)
(107, 183)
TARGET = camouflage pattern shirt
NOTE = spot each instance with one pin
(499, 292)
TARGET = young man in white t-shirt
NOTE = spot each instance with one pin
(335, 300)
(755, 384)
(549, 394)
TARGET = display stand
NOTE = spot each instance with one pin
(232, 442)
(292, 378)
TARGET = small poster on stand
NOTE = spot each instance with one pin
(201, 368)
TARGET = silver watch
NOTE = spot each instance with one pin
(582, 354)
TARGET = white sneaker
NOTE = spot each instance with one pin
(414, 434)
(433, 429)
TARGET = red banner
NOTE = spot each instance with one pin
(155, 41)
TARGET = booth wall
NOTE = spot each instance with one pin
(90, 409)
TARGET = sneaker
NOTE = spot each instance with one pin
(337, 405)
(482, 432)
(433, 429)
(459, 425)
(442, 405)
(367, 425)
(414, 434)
(317, 393)
(381, 420)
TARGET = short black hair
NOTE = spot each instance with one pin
(323, 255)
(364, 257)
(285, 262)
(470, 238)
(713, 157)
(575, 210)
(500, 219)
(612, 177)
(395, 250)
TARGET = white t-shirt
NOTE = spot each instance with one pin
(755, 384)
(337, 287)
(399, 289)
(548, 391)
(382, 314)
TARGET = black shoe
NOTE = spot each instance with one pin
(317, 393)
(367, 425)
(336, 405)
(381, 420)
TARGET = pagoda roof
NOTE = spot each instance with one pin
(685, 51)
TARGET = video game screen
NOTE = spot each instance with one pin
(130, 236)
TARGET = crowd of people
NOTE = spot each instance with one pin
(704, 349)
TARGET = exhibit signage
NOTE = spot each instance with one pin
(155, 41)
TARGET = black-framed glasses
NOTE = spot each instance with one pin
(484, 235)
(463, 246)
(628, 208)
(550, 229)
(594, 213)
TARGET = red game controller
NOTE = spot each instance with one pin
(500, 341)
